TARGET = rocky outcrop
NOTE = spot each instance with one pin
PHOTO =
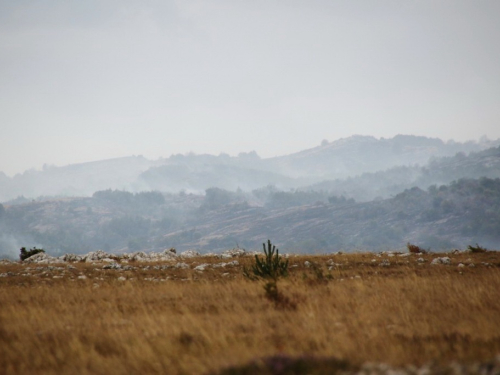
(43, 258)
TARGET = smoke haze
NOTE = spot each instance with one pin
(84, 81)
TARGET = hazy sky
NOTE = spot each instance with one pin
(95, 79)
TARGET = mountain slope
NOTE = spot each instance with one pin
(438, 171)
(359, 154)
(451, 216)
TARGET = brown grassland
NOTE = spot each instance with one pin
(181, 321)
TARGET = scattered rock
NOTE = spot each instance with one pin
(98, 255)
(189, 254)
(421, 260)
(82, 277)
(201, 267)
(70, 258)
(182, 265)
(138, 256)
(112, 266)
(233, 253)
(122, 278)
(42, 258)
(442, 260)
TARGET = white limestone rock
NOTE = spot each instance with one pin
(233, 253)
(42, 258)
(71, 258)
(201, 267)
(95, 256)
(441, 260)
(189, 254)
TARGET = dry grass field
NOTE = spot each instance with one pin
(150, 320)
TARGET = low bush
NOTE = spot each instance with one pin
(477, 249)
(414, 249)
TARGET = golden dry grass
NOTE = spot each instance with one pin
(195, 323)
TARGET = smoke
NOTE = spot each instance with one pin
(9, 246)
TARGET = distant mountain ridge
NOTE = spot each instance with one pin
(359, 154)
(343, 158)
(439, 171)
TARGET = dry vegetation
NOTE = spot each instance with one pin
(180, 321)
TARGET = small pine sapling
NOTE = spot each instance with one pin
(270, 268)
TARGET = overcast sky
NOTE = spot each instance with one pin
(96, 79)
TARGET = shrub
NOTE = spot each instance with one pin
(25, 254)
(414, 249)
(477, 249)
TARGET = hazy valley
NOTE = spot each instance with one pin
(358, 193)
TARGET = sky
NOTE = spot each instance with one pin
(98, 79)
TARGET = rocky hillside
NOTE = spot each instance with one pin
(439, 171)
(445, 217)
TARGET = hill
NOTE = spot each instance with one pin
(359, 154)
(445, 217)
(344, 158)
(439, 171)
